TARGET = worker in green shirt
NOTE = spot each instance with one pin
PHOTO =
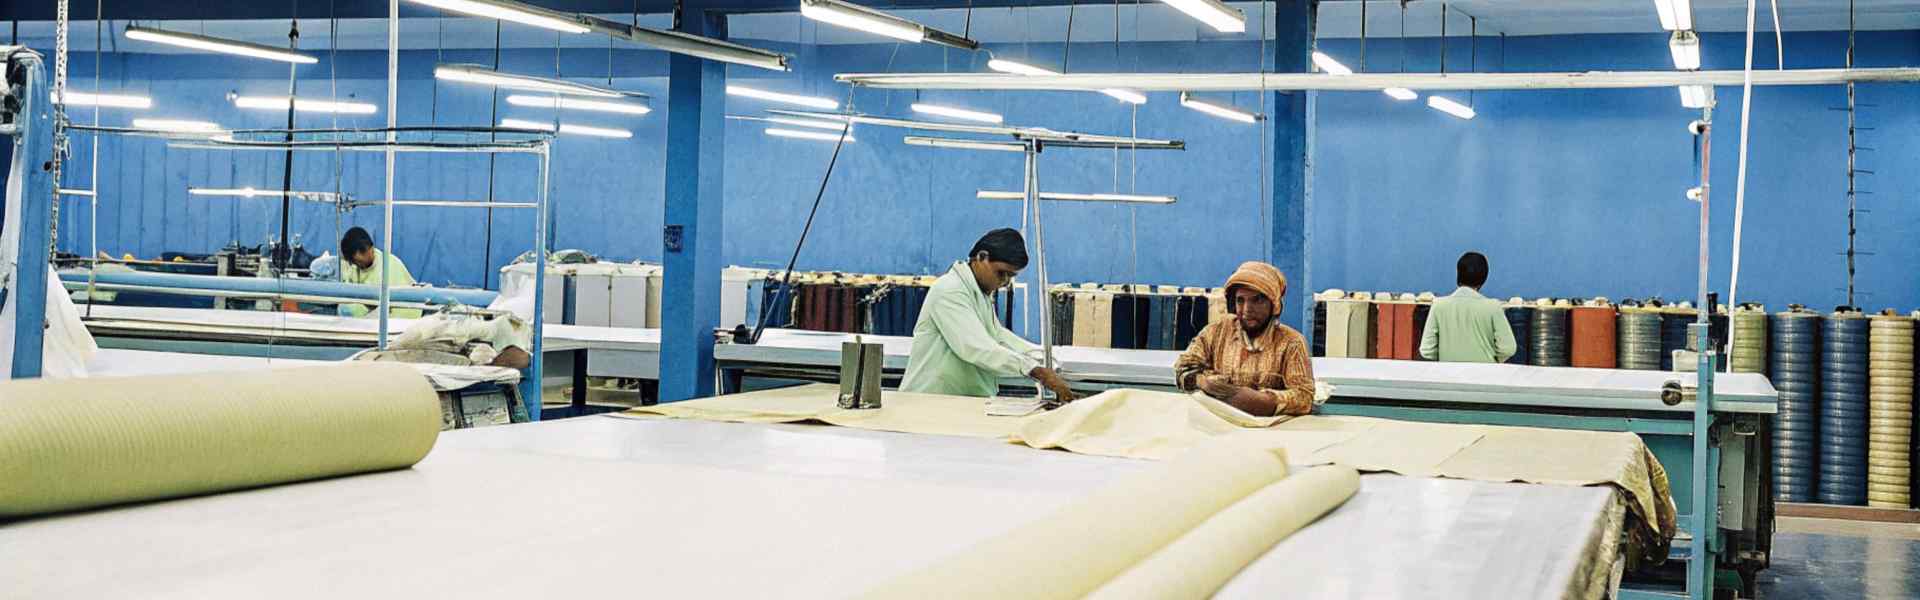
(1466, 326)
(356, 248)
(958, 347)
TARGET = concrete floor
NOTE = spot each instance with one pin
(1821, 559)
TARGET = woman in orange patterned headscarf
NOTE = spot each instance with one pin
(1251, 361)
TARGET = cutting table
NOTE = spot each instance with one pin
(608, 506)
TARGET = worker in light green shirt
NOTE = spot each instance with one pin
(958, 347)
(356, 248)
(1466, 326)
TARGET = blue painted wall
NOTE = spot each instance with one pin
(1569, 192)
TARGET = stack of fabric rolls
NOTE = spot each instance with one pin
(1138, 317)
(1749, 339)
(1843, 408)
(1796, 427)
(1890, 411)
(1520, 319)
(1639, 335)
(1552, 333)
(1594, 331)
(1348, 325)
(1674, 320)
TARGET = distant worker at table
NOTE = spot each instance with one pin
(1251, 361)
(1466, 326)
(356, 248)
(958, 347)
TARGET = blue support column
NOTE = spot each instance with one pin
(1292, 123)
(690, 295)
(33, 145)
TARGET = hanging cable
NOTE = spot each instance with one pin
(1740, 181)
(1780, 38)
(282, 255)
(786, 279)
(486, 254)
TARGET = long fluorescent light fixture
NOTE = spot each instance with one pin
(248, 192)
(854, 16)
(1329, 65)
(485, 76)
(1400, 93)
(214, 44)
(1218, 110)
(934, 142)
(508, 10)
(177, 125)
(1370, 82)
(1450, 107)
(1686, 50)
(1696, 96)
(809, 135)
(578, 104)
(1137, 199)
(808, 101)
(305, 105)
(1125, 95)
(1018, 68)
(957, 113)
(1675, 15)
(72, 98)
(689, 44)
(566, 128)
(1219, 16)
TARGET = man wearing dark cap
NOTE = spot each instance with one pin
(958, 347)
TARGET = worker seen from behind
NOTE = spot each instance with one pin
(1251, 361)
(1466, 326)
(958, 347)
(359, 258)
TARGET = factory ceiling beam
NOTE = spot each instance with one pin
(377, 9)
(1230, 82)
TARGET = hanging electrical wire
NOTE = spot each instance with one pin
(1740, 180)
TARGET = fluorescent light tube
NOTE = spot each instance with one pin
(1125, 95)
(1450, 107)
(566, 128)
(1018, 68)
(1220, 17)
(1000, 195)
(248, 192)
(1675, 15)
(688, 44)
(578, 104)
(1222, 111)
(808, 135)
(214, 44)
(1686, 50)
(828, 125)
(508, 10)
(72, 98)
(1401, 93)
(934, 142)
(486, 76)
(957, 113)
(858, 17)
(305, 105)
(1696, 96)
(1329, 65)
(812, 101)
(176, 125)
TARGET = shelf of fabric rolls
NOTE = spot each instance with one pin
(1841, 444)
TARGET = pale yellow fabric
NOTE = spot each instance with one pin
(1200, 562)
(1566, 457)
(1146, 424)
(82, 443)
(1076, 549)
(1093, 318)
(899, 411)
(1414, 449)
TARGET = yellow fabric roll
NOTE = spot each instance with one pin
(1098, 319)
(1076, 549)
(73, 444)
(1203, 560)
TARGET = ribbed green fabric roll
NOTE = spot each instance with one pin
(74, 444)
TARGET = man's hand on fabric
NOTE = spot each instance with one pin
(1052, 381)
(1219, 387)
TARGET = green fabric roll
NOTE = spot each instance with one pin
(74, 444)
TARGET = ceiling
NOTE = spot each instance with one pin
(1132, 21)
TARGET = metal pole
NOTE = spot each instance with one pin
(284, 254)
(1702, 528)
(1040, 260)
(538, 364)
(393, 116)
